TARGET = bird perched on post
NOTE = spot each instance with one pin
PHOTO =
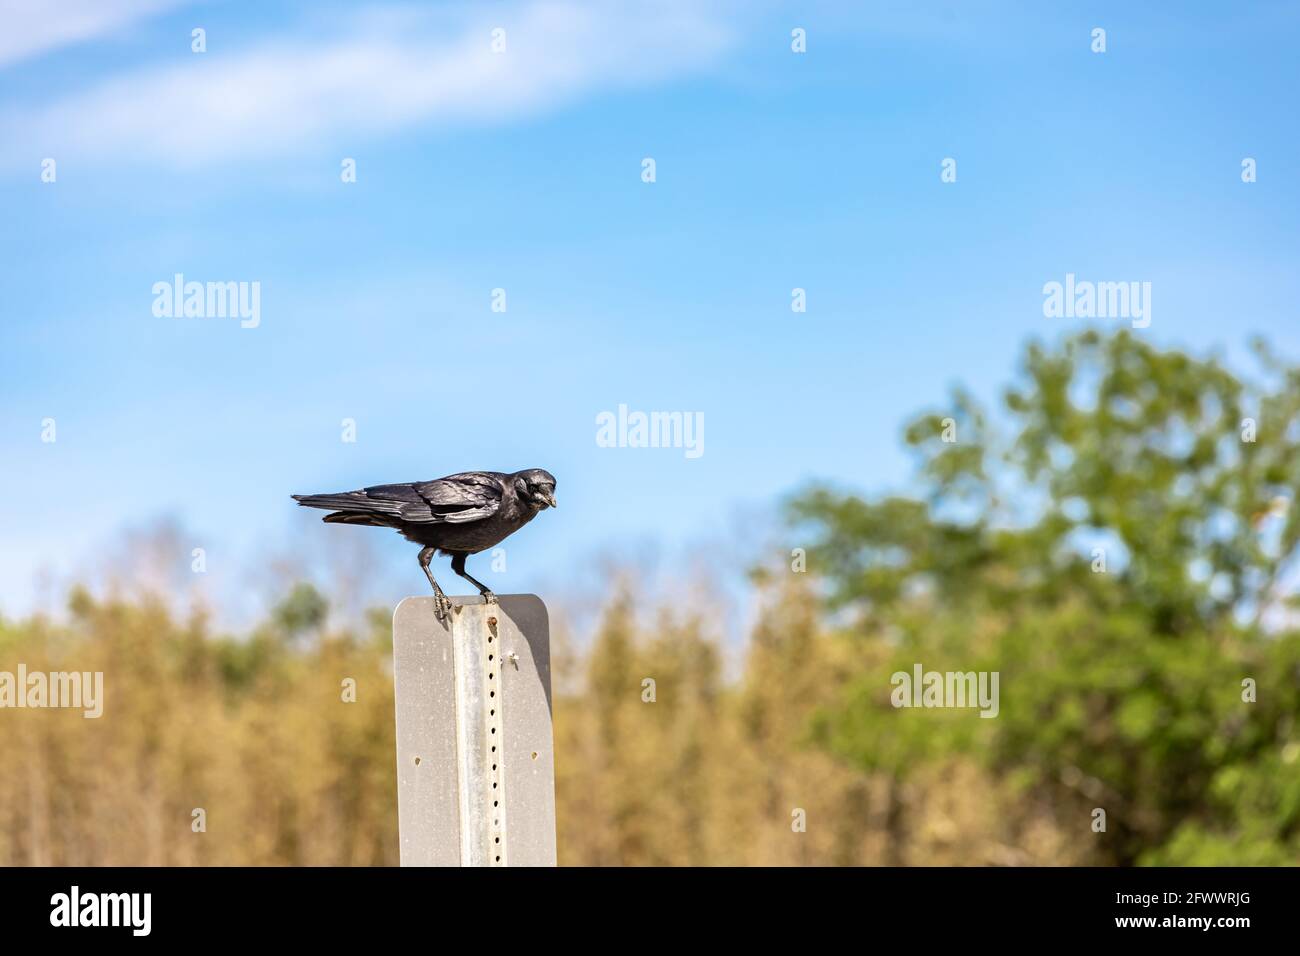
(458, 515)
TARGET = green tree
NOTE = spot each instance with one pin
(1119, 542)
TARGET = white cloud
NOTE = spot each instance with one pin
(389, 71)
(33, 27)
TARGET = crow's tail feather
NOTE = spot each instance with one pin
(347, 500)
(352, 517)
(349, 507)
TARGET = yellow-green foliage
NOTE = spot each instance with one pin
(255, 732)
(252, 731)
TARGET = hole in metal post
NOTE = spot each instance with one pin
(493, 721)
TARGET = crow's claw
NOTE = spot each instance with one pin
(441, 607)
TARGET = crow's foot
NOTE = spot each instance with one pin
(489, 597)
(441, 606)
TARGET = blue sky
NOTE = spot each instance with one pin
(521, 170)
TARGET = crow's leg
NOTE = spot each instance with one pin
(441, 606)
(458, 565)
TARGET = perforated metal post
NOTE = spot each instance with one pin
(475, 766)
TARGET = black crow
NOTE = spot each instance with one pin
(458, 515)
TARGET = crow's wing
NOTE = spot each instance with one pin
(456, 499)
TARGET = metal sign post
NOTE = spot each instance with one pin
(475, 761)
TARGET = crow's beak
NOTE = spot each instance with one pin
(550, 500)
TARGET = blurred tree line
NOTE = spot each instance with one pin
(1118, 541)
